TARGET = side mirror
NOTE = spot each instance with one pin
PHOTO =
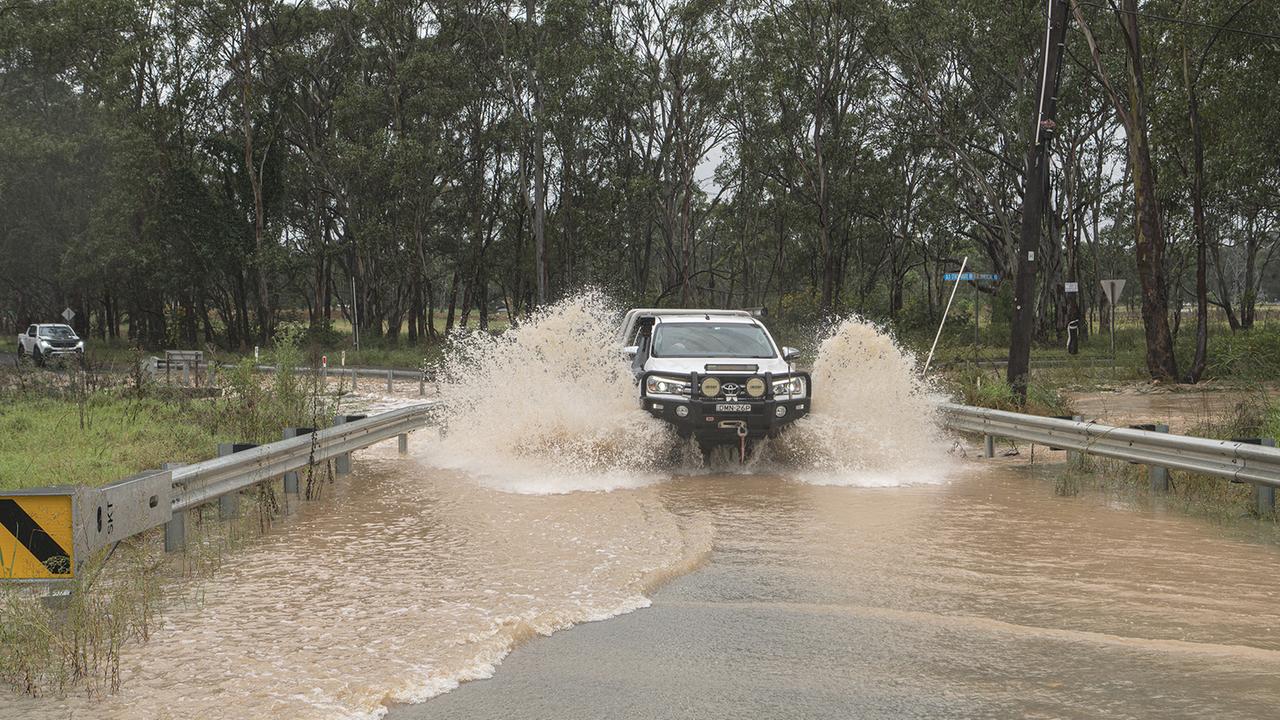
(790, 354)
(629, 352)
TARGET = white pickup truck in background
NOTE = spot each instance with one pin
(50, 342)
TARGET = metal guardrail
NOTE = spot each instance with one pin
(187, 367)
(367, 372)
(1258, 465)
(205, 481)
(59, 527)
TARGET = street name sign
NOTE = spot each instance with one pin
(970, 277)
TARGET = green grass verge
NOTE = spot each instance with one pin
(50, 441)
(68, 428)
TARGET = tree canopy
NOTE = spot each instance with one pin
(193, 171)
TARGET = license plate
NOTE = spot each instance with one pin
(733, 407)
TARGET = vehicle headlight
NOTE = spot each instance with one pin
(789, 386)
(659, 385)
(79, 344)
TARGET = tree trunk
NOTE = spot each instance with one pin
(453, 303)
(255, 179)
(1161, 362)
(1198, 226)
(539, 169)
(1149, 235)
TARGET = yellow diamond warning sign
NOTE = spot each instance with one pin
(35, 537)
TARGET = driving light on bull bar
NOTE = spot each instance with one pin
(682, 410)
(755, 387)
(710, 387)
(780, 411)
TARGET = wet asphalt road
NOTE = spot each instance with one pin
(988, 597)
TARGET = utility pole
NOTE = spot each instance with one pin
(1033, 200)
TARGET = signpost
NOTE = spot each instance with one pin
(975, 278)
(1112, 289)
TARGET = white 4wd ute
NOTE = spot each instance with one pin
(716, 375)
(50, 342)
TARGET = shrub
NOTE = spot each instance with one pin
(1252, 354)
(982, 389)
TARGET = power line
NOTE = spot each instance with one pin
(1180, 21)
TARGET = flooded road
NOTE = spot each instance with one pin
(985, 595)
(854, 568)
(1184, 409)
(400, 583)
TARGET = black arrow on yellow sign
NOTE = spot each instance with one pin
(32, 537)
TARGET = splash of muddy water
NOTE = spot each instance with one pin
(549, 406)
(873, 420)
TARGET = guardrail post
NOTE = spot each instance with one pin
(1159, 476)
(354, 375)
(229, 504)
(175, 531)
(324, 378)
(1264, 496)
(342, 463)
(403, 443)
(291, 478)
(1074, 455)
(388, 381)
(422, 385)
(186, 373)
(989, 446)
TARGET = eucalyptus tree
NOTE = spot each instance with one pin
(682, 87)
(972, 94)
(1131, 103)
(816, 72)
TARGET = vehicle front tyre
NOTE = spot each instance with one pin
(37, 357)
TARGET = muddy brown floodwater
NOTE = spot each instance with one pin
(987, 596)
(1182, 408)
(853, 569)
(982, 595)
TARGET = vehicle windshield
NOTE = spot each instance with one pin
(737, 340)
(57, 332)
